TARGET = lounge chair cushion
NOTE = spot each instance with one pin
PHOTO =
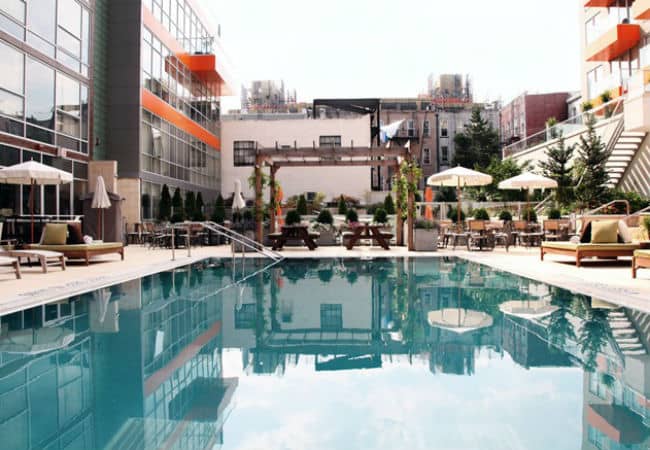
(77, 247)
(573, 247)
(55, 234)
(642, 253)
(624, 232)
(639, 233)
(604, 232)
(75, 236)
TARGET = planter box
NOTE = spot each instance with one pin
(425, 240)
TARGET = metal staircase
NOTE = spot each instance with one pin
(625, 147)
(625, 334)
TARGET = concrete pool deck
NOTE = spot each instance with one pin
(610, 282)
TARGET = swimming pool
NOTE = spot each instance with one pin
(333, 353)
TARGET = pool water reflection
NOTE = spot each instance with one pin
(336, 353)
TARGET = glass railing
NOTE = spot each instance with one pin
(605, 22)
(569, 126)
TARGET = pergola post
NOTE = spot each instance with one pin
(259, 203)
(410, 210)
(399, 223)
(274, 169)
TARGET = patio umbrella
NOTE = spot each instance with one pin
(428, 198)
(101, 200)
(34, 341)
(527, 309)
(33, 173)
(459, 177)
(459, 320)
(238, 201)
(528, 180)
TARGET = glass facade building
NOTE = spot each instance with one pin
(45, 98)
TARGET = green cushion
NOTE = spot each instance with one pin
(55, 234)
(573, 247)
(642, 253)
(604, 232)
(78, 247)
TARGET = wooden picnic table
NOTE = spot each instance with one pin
(367, 231)
(299, 233)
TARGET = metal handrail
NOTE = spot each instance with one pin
(540, 205)
(242, 240)
(613, 202)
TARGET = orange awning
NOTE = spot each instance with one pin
(641, 9)
(614, 42)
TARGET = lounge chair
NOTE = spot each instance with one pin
(13, 262)
(640, 260)
(604, 242)
(55, 238)
(43, 257)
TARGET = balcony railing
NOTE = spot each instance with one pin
(569, 126)
(407, 133)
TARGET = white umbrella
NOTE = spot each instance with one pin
(238, 201)
(459, 177)
(33, 173)
(101, 200)
(459, 320)
(527, 309)
(528, 180)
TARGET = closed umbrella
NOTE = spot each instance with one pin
(33, 173)
(279, 196)
(101, 200)
(528, 180)
(459, 177)
(238, 201)
(428, 198)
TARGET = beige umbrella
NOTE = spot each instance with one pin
(527, 309)
(459, 320)
(528, 180)
(459, 177)
(238, 201)
(33, 173)
(100, 201)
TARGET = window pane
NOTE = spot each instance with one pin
(41, 17)
(70, 16)
(11, 105)
(12, 73)
(67, 95)
(70, 43)
(84, 112)
(39, 86)
(85, 36)
(15, 8)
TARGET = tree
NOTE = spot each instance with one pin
(389, 204)
(502, 170)
(165, 205)
(592, 157)
(477, 144)
(557, 167)
(178, 214)
(199, 216)
(301, 207)
(219, 211)
(190, 205)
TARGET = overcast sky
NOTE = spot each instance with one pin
(380, 48)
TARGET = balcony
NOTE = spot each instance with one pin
(598, 3)
(613, 43)
(406, 134)
(637, 102)
(641, 10)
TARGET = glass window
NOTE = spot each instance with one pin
(12, 73)
(67, 94)
(244, 153)
(69, 43)
(331, 317)
(444, 152)
(444, 128)
(41, 18)
(426, 128)
(39, 90)
(85, 35)
(15, 8)
(329, 141)
(70, 16)
(11, 105)
(426, 156)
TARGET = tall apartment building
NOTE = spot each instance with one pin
(454, 86)
(430, 128)
(46, 90)
(268, 96)
(527, 114)
(165, 73)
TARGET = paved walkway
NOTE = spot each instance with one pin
(611, 283)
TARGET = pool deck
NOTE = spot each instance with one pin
(610, 282)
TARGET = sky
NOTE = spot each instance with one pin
(380, 48)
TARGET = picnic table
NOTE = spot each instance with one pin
(367, 231)
(295, 233)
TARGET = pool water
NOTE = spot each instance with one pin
(431, 353)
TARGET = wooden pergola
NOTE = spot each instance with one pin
(276, 158)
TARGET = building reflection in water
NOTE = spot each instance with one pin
(139, 365)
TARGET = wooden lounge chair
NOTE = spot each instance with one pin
(13, 262)
(43, 257)
(640, 260)
(581, 251)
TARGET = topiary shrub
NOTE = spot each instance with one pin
(199, 215)
(247, 216)
(370, 210)
(293, 217)
(351, 216)
(342, 207)
(219, 211)
(525, 215)
(325, 217)
(301, 207)
(481, 214)
(389, 204)
(554, 214)
(453, 215)
(505, 215)
(380, 216)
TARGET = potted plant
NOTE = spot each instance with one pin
(325, 226)
(426, 235)
(646, 225)
(481, 214)
(351, 217)
(292, 218)
(380, 216)
(554, 214)
(505, 216)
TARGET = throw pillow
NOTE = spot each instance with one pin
(624, 232)
(604, 232)
(55, 234)
(75, 236)
(585, 237)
